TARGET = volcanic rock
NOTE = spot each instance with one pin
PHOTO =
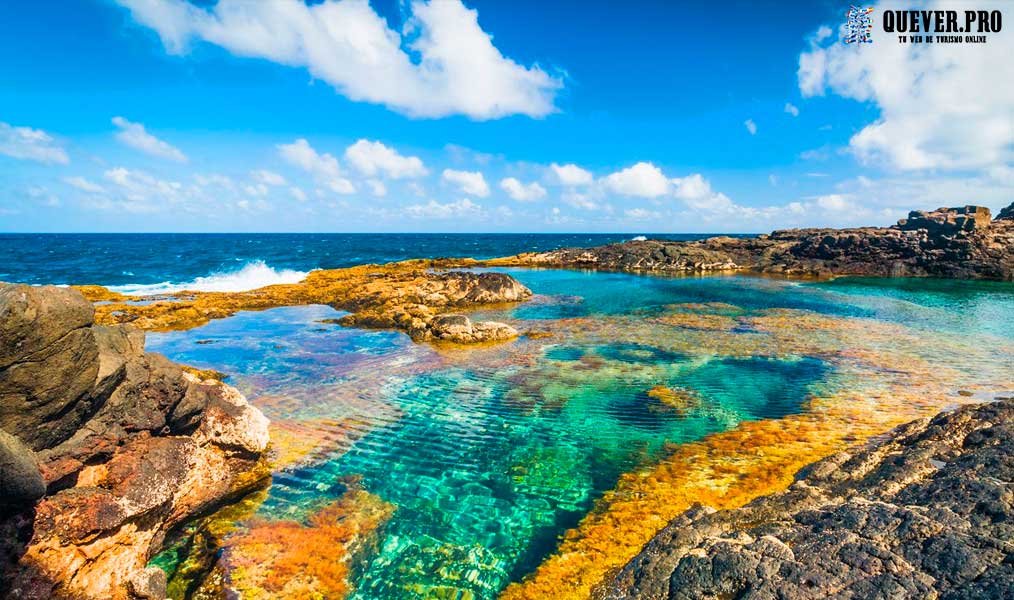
(126, 446)
(948, 242)
(926, 512)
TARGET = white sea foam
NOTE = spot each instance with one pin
(251, 276)
(639, 238)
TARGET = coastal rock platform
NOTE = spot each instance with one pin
(923, 512)
(962, 243)
(103, 449)
(407, 296)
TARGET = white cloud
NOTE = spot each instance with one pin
(928, 119)
(373, 158)
(30, 144)
(696, 192)
(835, 203)
(469, 182)
(643, 180)
(579, 200)
(139, 192)
(571, 174)
(324, 167)
(83, 184)
(377, 188)
(298, 193)
(750, 126)
(520, 191)
(214, 179)
(135, 136)
(641, 214)
(267, 177)
(43, 196)
(442, 63)
(435, 210)
(256, 190)
(791, 109)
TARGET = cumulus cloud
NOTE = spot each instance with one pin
(643, 180)
(377, 188)
(520, 191)
(373, 158)
(267, 177)
(436, 210)
(641, 214)
(791, 109)
(140, 192)
(297, 193)
(31, 144)
(135, 136)
(928, 119)
(750, 126)
(579, 200)
(324, 167)
(83, 184)
(441, 63)
(571, 174)
(696, 192)
(469, 182)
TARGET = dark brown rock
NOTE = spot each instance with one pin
(925, 513)
(21, 482)
(955, 242)
(1006, 214)
(128, 445)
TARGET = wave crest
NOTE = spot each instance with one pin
(252, 275)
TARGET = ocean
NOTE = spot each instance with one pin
(166, 262)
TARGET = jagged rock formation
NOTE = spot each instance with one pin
(948, 242)
(408, 296)
(926, 512)
(119, 444)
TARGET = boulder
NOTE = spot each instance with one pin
(48, 363)
(461, 330)
(128, 445)
(947, 221)
(1006, 214)
(21, 482)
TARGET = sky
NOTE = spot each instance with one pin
(489, 116)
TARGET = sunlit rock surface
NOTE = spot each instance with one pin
(408, 296)
(948, 242)
(924, 513)
(124, 444)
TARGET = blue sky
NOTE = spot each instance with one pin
(157, 115)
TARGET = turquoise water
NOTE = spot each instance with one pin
(490, 455)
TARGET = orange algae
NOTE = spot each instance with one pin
(725, 470)
(678, 398)
(284, 559)
(397, 295)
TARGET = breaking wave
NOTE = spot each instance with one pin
(252, 275)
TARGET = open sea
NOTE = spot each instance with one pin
(152, 263)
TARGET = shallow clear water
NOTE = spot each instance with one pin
(490, 454)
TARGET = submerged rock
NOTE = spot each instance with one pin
(460, 329)
(948, 242)
(126, 445)
(926, 512)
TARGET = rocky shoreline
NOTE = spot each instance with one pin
(419, 297)
(961, 243)
(923, 512)
(103, 449)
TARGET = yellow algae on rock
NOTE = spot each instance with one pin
(409, 296)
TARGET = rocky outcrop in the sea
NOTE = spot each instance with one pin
(926, 512)
(103, 449)
(948, 242)
(409, 296)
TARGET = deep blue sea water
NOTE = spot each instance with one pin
(162, 262)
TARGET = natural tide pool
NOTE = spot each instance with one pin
(407, 471)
